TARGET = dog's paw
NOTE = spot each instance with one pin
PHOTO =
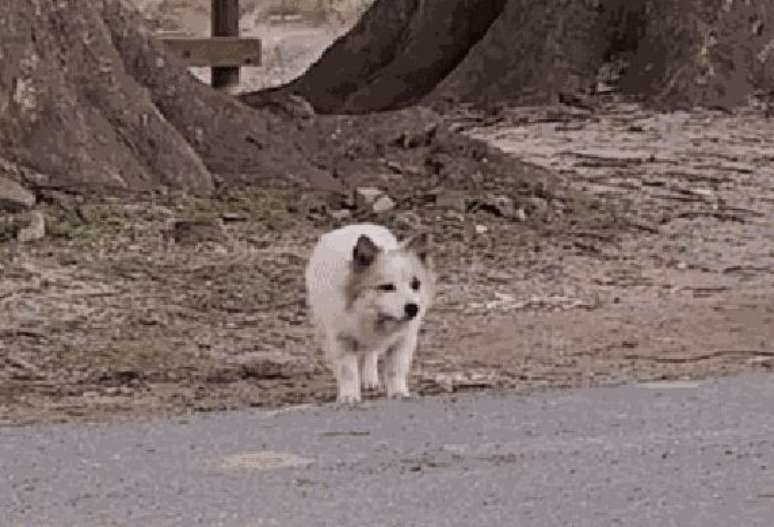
(371, 384)
(348, 399)
(369, 374)
(401, 394)
(397, 388)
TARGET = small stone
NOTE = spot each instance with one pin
(368, 195)
(603, 87)
(14, 197)
(704, 192)
(481, 229)
(35, 230)
(297, 106)
(537, 204)
(395, 167)
(233, 217)
(763, 361)
(408, 220)
(16, 172)
(61, 199)
(504, 206)
(416, 139)
(383, 204)
(503, 297)
(496, 204)
(521, 215)
(399, 169)
(341, 214)
(317, 203)
(197, 231)
(452, 199)
(268, 365)
(454, 216)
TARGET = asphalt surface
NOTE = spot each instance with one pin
(685, 454)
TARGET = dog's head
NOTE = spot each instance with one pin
(391, 287)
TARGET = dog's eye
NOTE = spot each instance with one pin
(415, 284)
(386, 287)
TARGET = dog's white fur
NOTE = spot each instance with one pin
(360, 285)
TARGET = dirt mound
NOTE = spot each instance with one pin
(415, 154)
(406, 51)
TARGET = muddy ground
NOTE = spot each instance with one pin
(650, 257)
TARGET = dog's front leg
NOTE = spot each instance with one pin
(369, 371)
(397, 364)
(345, 365)
(347, 378)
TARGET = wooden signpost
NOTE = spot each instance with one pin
(224, 51)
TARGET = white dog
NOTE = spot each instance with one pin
(367, 296)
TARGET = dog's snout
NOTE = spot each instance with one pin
(411, 310)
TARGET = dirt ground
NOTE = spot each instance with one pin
(651, 258)
(636, 246)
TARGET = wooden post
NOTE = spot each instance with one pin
(225, 23)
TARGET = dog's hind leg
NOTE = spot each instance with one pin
(397, 363)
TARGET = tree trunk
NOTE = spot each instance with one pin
(694, 52)
(87, 98)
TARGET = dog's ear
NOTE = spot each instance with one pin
(364, 253)
(419, 244)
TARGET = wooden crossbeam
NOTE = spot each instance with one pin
(216, 52)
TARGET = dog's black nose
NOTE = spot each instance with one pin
(411, 310)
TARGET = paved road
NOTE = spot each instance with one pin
(683, 455)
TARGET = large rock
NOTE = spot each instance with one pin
(14, 197)
(34, 230)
